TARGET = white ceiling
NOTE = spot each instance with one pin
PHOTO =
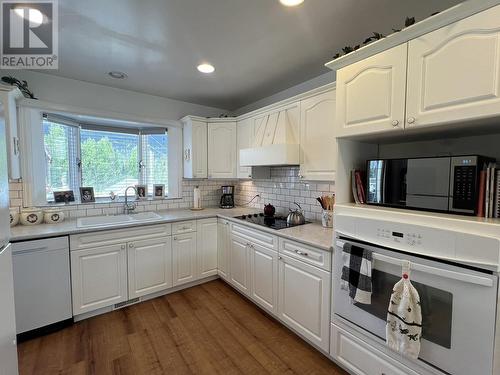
(258, 47)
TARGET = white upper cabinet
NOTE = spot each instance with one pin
(246, 135)
(149, 266)
(454, 72)
(318, 146)
(195, 134)
(222, 150)
(8, 98)
(206, 247)
(371, 94)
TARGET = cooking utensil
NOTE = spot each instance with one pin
(269, 210)
(296, 217)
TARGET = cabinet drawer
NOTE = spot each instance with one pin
(361, 359)
(93, 239)
(184, 227)
(255, 236)
(307, 254)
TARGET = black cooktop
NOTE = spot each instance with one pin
(273, 222)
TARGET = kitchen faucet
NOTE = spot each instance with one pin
(129, 207)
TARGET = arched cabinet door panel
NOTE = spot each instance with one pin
(454, 72)
(371, 94)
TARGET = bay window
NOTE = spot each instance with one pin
(107, 158)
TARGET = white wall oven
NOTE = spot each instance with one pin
(458, 303)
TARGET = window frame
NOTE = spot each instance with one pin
(75, 158)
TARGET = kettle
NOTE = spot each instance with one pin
(296, 217)
(269, 210)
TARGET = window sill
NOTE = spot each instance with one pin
(108, 201)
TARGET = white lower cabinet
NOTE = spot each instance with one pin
(99, 277)
(184, 258)
(223, 245)
(206, 250)
(360, 358)
(239, 275)
(304, 300)
(149, 266)
(264, 277)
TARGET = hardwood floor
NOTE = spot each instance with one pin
(207, 329)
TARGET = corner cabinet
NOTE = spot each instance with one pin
(223, 248)
(318, 146)
(453, 72)
(8, 98)
(239, 275)
(206, 250)
(264, 277)
(195, 153)
(99, 277)
(222, 149)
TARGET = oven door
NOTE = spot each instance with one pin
(458, 308)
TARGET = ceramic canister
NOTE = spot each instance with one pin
(53, 216)
(31, 216)
(14, 217)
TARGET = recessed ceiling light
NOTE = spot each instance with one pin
(117, 75)
(206, 68)
(291, 3)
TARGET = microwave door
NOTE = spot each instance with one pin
(428, 183)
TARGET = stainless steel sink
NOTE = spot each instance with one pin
(99, 221)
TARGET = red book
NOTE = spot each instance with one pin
(481, 195)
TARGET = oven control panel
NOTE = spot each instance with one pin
(409, 238)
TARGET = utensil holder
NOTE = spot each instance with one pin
(327, 219)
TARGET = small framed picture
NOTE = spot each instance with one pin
(142, 192)
(64, 196)
(158, 191)
(87, 194)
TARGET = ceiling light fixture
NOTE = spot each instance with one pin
(291, 3)
(117, 75)
(206, 68)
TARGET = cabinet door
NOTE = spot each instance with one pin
(223, 243)
(264, 277)
(222, 150)
(239, 264)
(304, 300)
(371, 94)
(318, 146)
(149, 266)
(454, 72)
(207, 247)
(245, 139)
(195, 149)
(184, 258)
(98, 277)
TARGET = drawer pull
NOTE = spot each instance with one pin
(301, 253)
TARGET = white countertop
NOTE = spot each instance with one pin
(311, 234)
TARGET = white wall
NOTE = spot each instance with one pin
(91, 96)
(321, 80)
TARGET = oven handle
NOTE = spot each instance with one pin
(472, 279)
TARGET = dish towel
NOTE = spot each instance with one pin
(404, 317)
(357, 273)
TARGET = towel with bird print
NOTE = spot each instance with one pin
(404, 317)
(357, 273)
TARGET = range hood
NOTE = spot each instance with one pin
(276, 140)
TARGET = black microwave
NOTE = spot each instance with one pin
(443, 184)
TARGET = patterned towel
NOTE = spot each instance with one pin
(357, 273)
(404, 317)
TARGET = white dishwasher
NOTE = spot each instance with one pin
(42, 284)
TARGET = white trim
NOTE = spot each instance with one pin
(68, 109)
(449, 16)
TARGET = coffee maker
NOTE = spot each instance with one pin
(227, 199)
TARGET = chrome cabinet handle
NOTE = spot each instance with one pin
(411, 120)
(123, 247)
(395, 123)
(175, 238)
(131, 245)
(280, 258)
(301, 253)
